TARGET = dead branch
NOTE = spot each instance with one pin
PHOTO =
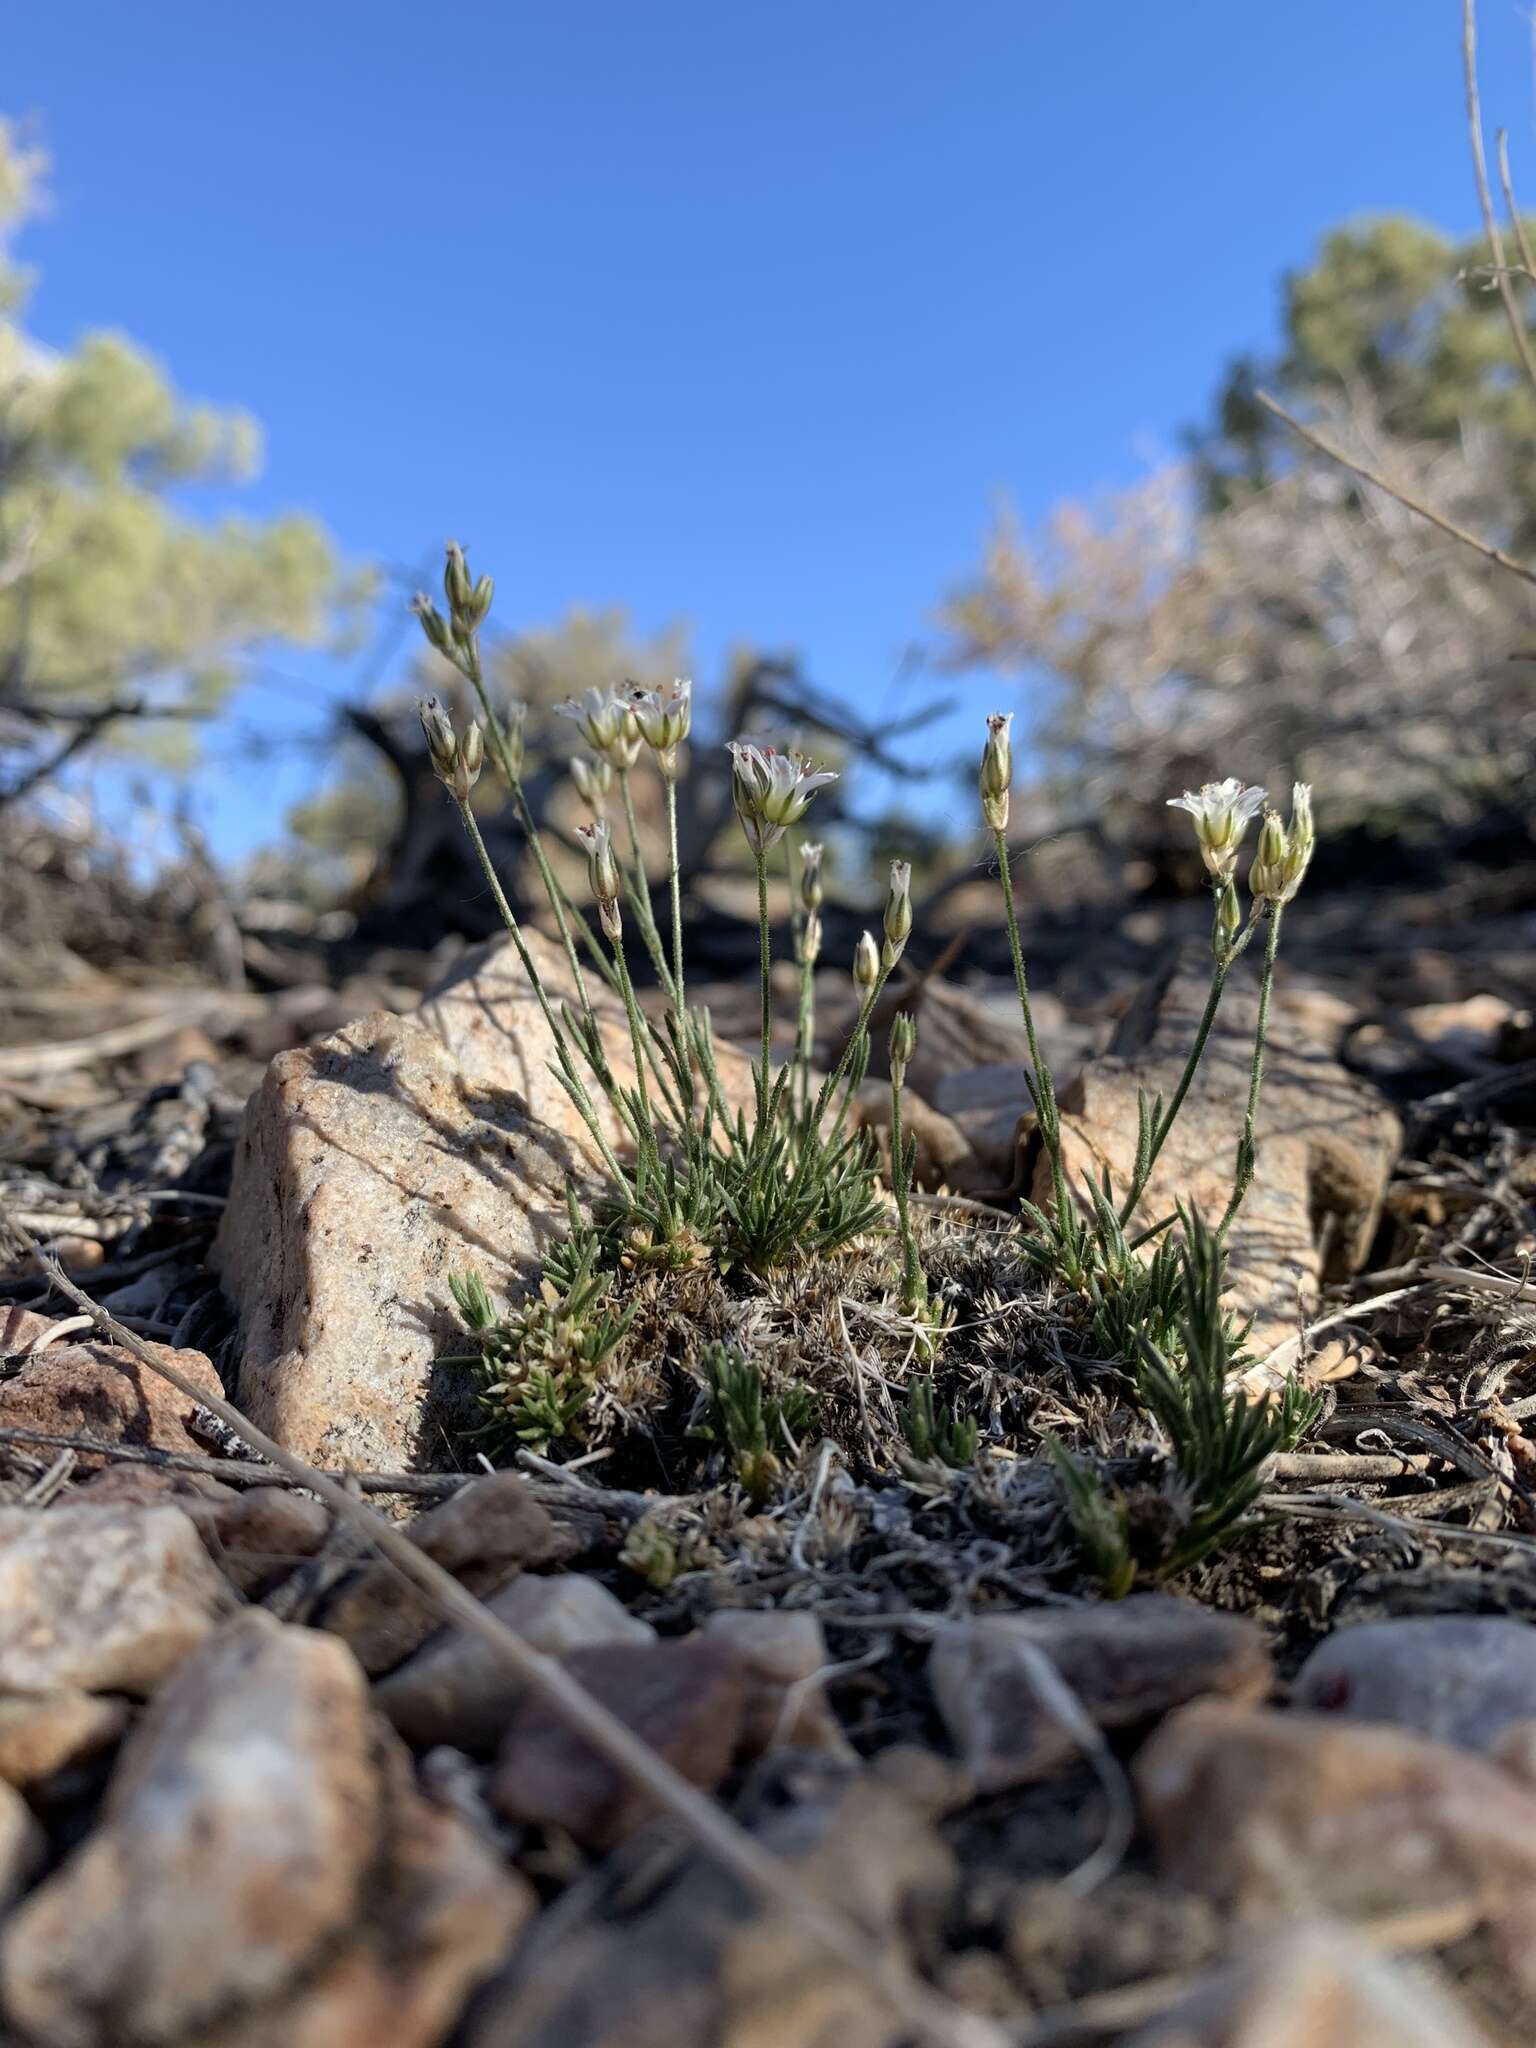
(1412, 504)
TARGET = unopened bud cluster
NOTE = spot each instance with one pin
(1284, 851)
(468, 603)
(810, 902)
(455, 760)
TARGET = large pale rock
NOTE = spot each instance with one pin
(1315, 1988)
(374, 1164)
(1277, 1816)
(1327, 1141)
(1462, 1678)
(263, 1873)
(104, 1599)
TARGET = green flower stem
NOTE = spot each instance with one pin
(1186, 1082)
(912, 1287)
(640, 893)
(650, 1158)
(1043, 1090)
(552, 889)
(1169, 1117)
(574, 1085)
(675, 885)
(861, 1023)
(1247, 1148)
(765, 965)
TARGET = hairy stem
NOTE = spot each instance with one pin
(1042, 1088)
(639, 1038)
(572, 1080)
(1247, 1147)
(640, 893)
(675, 885)
(765, 965)
(1169, 1117)
(513, 780)
(912, 1287)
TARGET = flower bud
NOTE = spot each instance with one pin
(433, 624)
(1300, 839)
(898, 913)
(480, 601)
(996, 777)
(903, 1043)
(810, 939)
(466, 769)
(602, 868)
(437, 727)
(811, 851)
(1266, 878)
(513, 722)
(602, 873)
(1229, 921)
(866, 961)
(593, 780)
(456, 585)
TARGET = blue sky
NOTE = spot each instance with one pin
(742, 313)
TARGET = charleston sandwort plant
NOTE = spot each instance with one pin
(745, 1192)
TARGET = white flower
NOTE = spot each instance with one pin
(664, 716)
(1221, 811)
(602, 719)
(772, 790)
(602, 872)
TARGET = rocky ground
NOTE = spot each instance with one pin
(253, 1790)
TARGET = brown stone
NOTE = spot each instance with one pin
(263, 1873)
(45, 1732)
(257, 1537)
(1327, 1141)
(683, 1698)
(106, 1599)
(457, 1690)
(1125, 1662)
(96, 1390)
(374, 1164)
(699, 1963)
(781, 1653)
(483, 1534)
(944, 1156)
(1273, 1815)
